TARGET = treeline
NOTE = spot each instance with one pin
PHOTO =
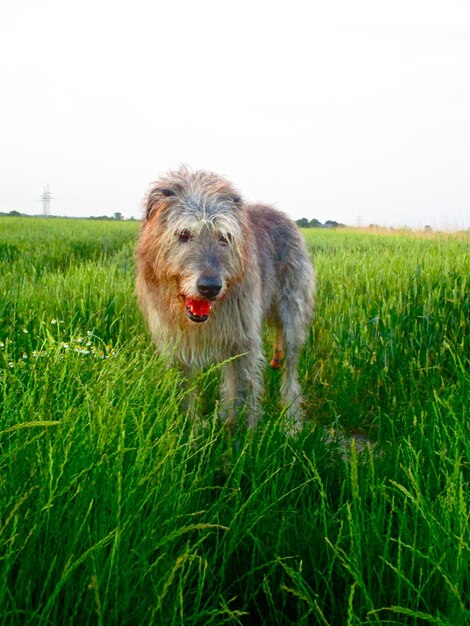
(305, 223)
(116, 217)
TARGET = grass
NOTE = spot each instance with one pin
(111, 512)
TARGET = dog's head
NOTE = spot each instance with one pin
(194, 238)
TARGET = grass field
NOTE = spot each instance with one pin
(113, 513)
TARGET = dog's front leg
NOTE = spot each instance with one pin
(228, 394)
(189, 401)
(242, 388)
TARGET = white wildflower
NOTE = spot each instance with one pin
(83, 351)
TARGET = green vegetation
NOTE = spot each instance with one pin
(113, 512)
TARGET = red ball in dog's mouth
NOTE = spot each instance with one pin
(197, 310)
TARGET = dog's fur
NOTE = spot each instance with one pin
(198, 228)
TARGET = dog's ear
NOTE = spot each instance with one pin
(156, 199)
(232, 197)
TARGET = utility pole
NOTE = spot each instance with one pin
(46, 201)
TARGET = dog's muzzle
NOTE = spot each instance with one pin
(198, 308)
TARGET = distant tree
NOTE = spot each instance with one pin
(118, 216)
(314, 223)
(428, 228)
(302, 223)
(333, 224)
(14, 214)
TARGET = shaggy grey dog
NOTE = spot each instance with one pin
(211, 269)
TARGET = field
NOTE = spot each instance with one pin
(113, 512)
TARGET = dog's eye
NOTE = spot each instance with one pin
(184, 236)
(225, 240)
(167, 192)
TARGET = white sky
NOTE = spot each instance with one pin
(352, 111)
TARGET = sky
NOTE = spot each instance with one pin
(357, 112)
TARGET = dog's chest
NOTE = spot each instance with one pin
(226, 334)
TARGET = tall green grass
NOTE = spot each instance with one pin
(113, 512)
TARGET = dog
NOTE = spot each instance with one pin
(211, 269)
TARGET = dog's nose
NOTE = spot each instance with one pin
(209, 286)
